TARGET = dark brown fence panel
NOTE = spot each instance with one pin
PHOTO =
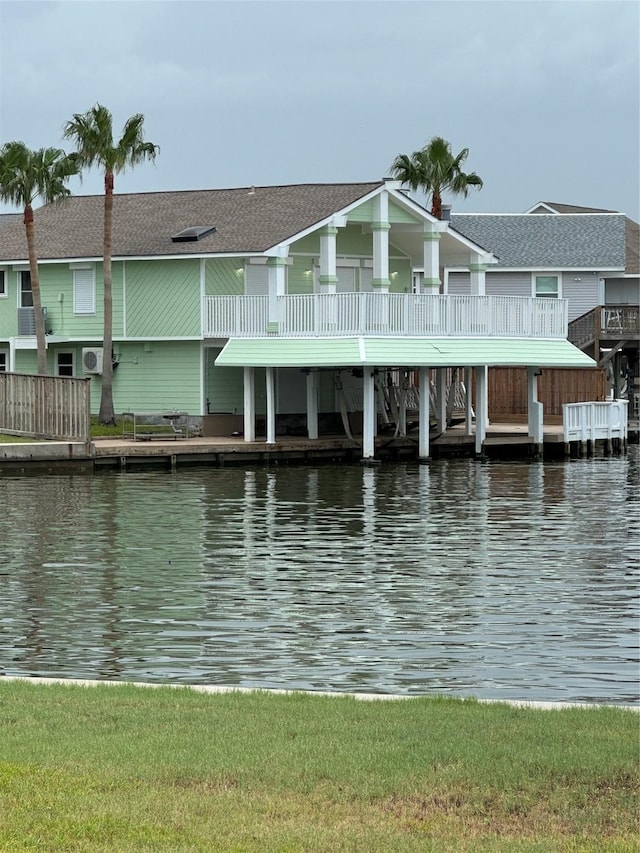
(508, 389)
(53, 407)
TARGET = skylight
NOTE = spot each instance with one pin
(196, 232)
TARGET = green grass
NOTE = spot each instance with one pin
(131, 769)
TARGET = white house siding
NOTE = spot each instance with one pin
(496, 283)
(582, 291)
(508, 284)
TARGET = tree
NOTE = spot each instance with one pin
(434, 170)
(25, 176)
(92, 133)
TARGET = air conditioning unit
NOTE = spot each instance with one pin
(92, 359)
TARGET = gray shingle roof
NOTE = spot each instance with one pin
(247, 220)
(548, 240)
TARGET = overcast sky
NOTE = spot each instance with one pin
(545, 95)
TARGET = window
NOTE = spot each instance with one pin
(26, 296)
(65, 363)
(4, 361)
(3, 284)
(547, 285)
(84, 291)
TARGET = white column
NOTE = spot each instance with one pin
(277, 268)
(423, 413)
(271, 405)
(468, 400)
(481, 407)
(441, 399)
(312, 404)
(477, 284)
(534, 408)
(369, 414)
(249, 404)
(431, 259)
(380, 228)
(328, 276)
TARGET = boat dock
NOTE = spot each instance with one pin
(503, 440)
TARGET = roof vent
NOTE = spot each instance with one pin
(191, 235)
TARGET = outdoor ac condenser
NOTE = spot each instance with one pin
(92, 359)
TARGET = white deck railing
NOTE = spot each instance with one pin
(595, 421)
(384, 314)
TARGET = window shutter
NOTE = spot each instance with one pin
(84, 292)
(256, 280)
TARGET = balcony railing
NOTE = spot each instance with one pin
(384, 314)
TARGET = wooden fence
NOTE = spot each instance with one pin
(52, 407)
(508, 389)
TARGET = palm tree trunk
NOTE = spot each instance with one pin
(107, 414)
(35, 290)
(436, 205)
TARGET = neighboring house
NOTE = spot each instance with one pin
(274, 302)
(586, 255)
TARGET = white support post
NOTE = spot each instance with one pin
(478, 276)
(277, 271)
(423, 414)
(468, 401)
(380, 228)
(482, 407)
(535, 409)
(431, 258)
(369, 414)
(249, 404)
(271, 405)
(441, 399)
(328, 274)
(312, 404)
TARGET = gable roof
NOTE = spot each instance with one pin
(246, 220)
(595, 241)
(632, 229)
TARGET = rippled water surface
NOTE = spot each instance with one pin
(499, 580)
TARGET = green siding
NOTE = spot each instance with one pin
(9, 306)
(224, 387)
(163, 298)
(399, 214)
(363, 213)
(351, 241)
(402, 283)
(222, 277)
(299, 277)
(165, 375)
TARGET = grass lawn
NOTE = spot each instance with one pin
(130, 769)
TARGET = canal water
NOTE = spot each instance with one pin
(497, 580)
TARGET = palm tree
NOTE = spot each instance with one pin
(25, 176)
(434, 170)
(92, 133)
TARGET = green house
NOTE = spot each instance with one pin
(273, 309)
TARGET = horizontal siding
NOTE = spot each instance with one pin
(362, 213)
(224, 387)
(166, 377)
(508, 284)
(163, 298)
(583, 295)
(399, 214)
(299, 277)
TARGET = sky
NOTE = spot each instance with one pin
(545, 95)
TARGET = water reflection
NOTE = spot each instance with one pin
(500, 580)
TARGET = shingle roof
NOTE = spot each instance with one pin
(548, 240)
(632, 231)
(246, 220)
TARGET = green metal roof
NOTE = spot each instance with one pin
(401, 352)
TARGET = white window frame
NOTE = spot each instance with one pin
(534, 285)
(4, 290)
(73, 362)
(21, 291)
(84, 290)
